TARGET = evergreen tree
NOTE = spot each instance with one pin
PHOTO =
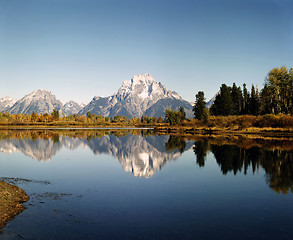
(183, 114)
(266, 100)
(199, 107)
(290, 92)
(223, 104)
(236, 95)
(254, 102)
(245, 100)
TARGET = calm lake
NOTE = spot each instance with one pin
(136, 185)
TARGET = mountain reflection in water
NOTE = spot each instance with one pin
(143, 154)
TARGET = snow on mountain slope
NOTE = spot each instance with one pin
(40, 101)
(139, 96)
(71, 108)
(6, 103)
(134, 98)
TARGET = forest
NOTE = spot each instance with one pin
(276, 97)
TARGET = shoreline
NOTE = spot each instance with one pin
(280, 124)
(164, 128)
(192, 131)
(11, 199)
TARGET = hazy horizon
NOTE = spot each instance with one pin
(79, 49)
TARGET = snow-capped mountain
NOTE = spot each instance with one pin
(40, 101)
(71, 108)
(135, 97)
(139, 96)
(6, 103)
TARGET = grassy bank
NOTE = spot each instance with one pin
(11, 198)
(246, 124)
(277, 124)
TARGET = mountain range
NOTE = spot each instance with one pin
(139, 96)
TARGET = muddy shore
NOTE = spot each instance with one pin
(11, 198)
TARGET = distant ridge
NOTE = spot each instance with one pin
(139, 96)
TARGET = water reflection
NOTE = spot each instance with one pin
(138, 153)
(278, 164)
(142, 153)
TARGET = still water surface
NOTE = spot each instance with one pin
(139, 186)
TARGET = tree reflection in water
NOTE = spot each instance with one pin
(278, 164)
(201, 149)
(175, 143)
(143, 153)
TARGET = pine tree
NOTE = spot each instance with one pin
(290, 95)
(237, 99)
(183, 114)
(254, 102)
(199, 107)
(245, 100)
(223, 104)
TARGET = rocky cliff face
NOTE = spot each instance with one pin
(135, 97)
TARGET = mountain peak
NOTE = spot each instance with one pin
(146, 78)
(70, 103)
(135, 97)
(41, 91)
(139, 79)
(40, 101)
(71, 107)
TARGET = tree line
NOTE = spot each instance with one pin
(75, 119)
(275, 97)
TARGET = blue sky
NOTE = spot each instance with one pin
(79, 49)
